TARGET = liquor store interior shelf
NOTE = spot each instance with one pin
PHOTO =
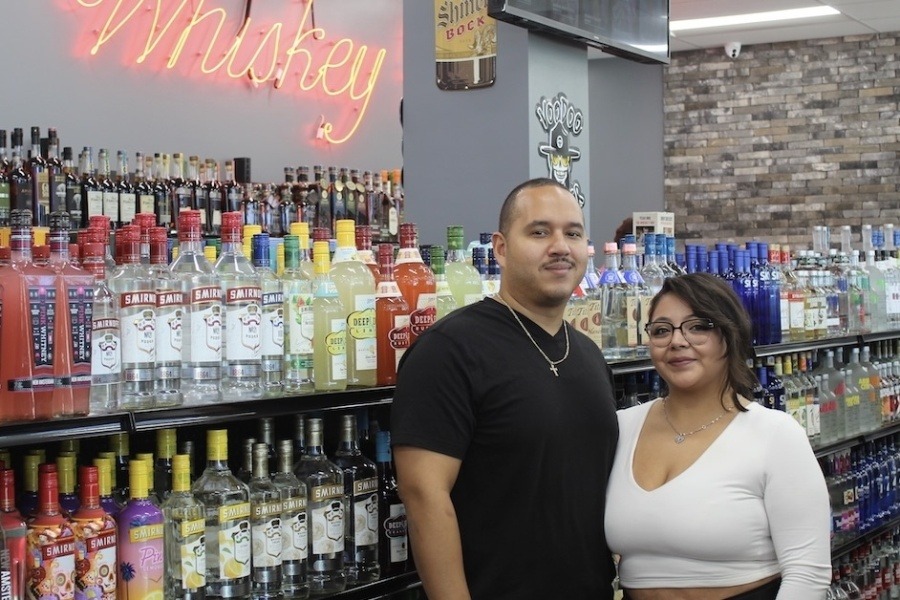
(856, 542)
(857, 440)
(41, 432)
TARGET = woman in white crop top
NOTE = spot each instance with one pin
(713, 496)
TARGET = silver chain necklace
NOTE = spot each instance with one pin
(552, 363)
(679, 436)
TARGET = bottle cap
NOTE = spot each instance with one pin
(321, 258)
(345, 225)
(48, 488)
(40, 253)
(217, 444)
(7, 489)
(261, 251)
(138, 476)
(20, 218)
(65, 467)
(181, 473)
(408, 235)
(189, 226)
(300, 229)
(104, 475)
(166, 443)
(89, 483)
(363, 237)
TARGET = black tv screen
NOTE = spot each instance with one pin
(635, 29)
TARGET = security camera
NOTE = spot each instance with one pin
(733, 49)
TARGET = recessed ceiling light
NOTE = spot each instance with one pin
(749, 18)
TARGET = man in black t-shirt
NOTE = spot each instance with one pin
(504, 425)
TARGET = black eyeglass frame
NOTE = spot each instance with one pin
(710, 326)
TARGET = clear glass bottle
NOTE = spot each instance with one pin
(185, 536)
(446, 302)
(393, 540)
(202, 319)
(272, 329)
(228, 536)
(463, 278)
(137, 317)
(613, 316)
(106, 347)
(241, 294)
(325, 504)
(329, 327)
(266, 508)
(169, 316)
(651, 270)
(294, 524)
(361, 492)
(356, 288)
(637, 299)
(298, 319)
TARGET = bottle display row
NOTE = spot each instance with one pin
(217, 323)
(289, 522)
(870, 571)
(45, 180)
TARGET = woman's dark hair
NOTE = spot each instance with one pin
(711, 298)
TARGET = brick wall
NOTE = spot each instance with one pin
(784, 137)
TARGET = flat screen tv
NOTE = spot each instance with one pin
(634, 29)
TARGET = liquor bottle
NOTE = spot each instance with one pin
(65, 471)
(95, 541)
(614, 330)
(169, 315)
(91, 192)
(294, 526)
(215, 192)
(356, 288)
(108, 193)
(329, 327)
(40, 182)
(14, 533)
(16, 391)
(465, 57)
(166, 446)
(56, 181)
(298, 342)
(445, 302)
(140, 540)
(392, 319)
(162, 205)
(185, 536)
(137, 316)
(179, 190)
(50, 545)
(393, 545)
(196, 186)
(38, 285)
(364, 249)
(651, 271)
(325, 504)
(75, 299)
(228, 536)
(71, 185)
(315, 191)
(106, 356)
(21, 189)
(104, 466)
(245, 470)
(637, 301)
(28, 501)
(272, 327)
(416, 282)
(464, 279)
(299, 437)
(242, 294)
(5, 165)
(143, 185)
(306, 210)
(349, 194)
(266, 508)
(361, 492)
(125, 188)
(119, 444)
(202, 318)
(233, 191)
(395, 205)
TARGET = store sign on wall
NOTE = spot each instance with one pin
(288, 52)
(561, 121)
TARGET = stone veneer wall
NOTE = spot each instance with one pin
(784, 137)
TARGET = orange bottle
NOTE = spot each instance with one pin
(364, 249)
(392, 327)
(416, 282)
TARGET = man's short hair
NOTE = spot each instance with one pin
(507, 211)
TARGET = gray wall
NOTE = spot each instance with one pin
(108, 100)
(627, 171)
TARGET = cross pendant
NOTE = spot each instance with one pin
(555, 370)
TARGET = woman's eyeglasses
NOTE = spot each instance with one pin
(696, 332)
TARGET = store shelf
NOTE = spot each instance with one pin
(26, 433)
(853, 544)
(626, 367)
(878, 336)
(857, 440)
(383, 588)
(788, 347)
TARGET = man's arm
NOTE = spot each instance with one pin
(425, 479)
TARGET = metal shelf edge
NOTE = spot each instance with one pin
(382, 588)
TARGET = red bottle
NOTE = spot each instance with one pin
(416, 282)
(95, 542)
(364, 249)
(14, 533)
(392, 327)
(50, 545)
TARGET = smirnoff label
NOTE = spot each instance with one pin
(205, 321)
(300, 323)
(243, 323)
(234, 541)
(106, 351)
(169, 312)
(138, 323)
(267, 535)
(326, 513)
(296, 535)
(95, 543)
(365, 511)
(52, 569)
(273, 325)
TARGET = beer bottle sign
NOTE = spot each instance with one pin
(465, 44)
